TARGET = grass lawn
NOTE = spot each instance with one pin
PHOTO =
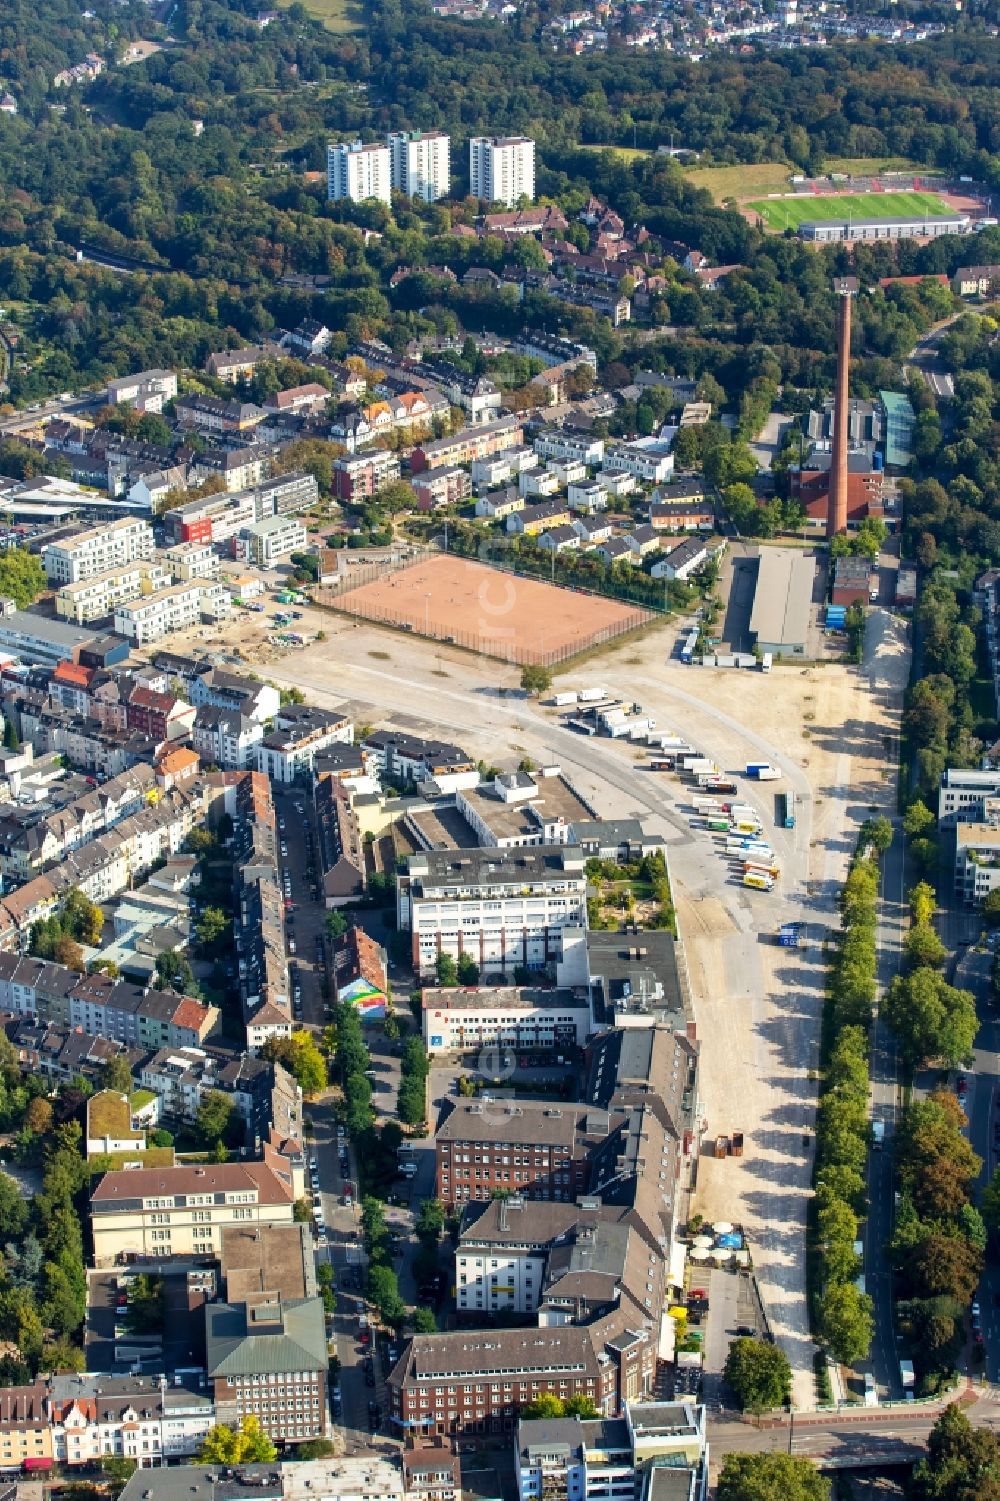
(871, 166)
(630, 153)
(740, 182)
(336, 15)
(789, 213)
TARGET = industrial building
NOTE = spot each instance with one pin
(779, 620)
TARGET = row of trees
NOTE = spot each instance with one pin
(931, 1019)
(939, 1243)
(843, 1313)
(414, 1068)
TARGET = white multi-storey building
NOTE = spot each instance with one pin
(502, 169)
(94, 551)
(420, 163)
(358, 172)
(161, 613)
(506, 908)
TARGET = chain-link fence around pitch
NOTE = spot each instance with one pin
(542, 624)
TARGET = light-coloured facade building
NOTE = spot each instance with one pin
(147, 390)
(506, 908)
(99, 548)
(358, 172)
(182, 1211)
(977, 856)
(455, 1021)
(93, 598)
(963, 794)
(502, 169)
(192, 560)
(420, 163)
(271, 541)
(161, 613)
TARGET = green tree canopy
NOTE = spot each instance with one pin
(771, 1477)
(758, 1373)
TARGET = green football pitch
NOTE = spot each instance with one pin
(789, 213)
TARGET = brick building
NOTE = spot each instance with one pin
(528, 1147)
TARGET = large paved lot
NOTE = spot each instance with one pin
(516, 619)
(757, 1005)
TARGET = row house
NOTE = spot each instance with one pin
(400, 758)
(238, 468)
(470, 444)
(532, 520)
(341, 849)
(75, 1420)
(134, 1015)
(649, 462)
(477, 396)
(59, 1052)
(93, 813)
(94, 744)
(265, 1095)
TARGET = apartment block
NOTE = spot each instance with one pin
(506, 908)
(358, 172)
(146, 391)
(116, 544)
(271, 541)
(183, 1211)
(555, 443)
(98, 596)
(161, 613)
(359, 476)
(502, 169)
(420, 163)
(977, 856)
(648, 462)
(191, 560)
(25, 1430)
(301, 732)
(226, 738)
(442, 487)
(472, 443)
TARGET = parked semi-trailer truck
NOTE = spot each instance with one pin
(759, 880)
(762, 771)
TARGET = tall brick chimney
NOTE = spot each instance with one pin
(836, 517)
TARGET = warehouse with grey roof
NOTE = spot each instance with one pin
(779, 620)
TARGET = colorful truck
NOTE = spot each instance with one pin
(759, 880)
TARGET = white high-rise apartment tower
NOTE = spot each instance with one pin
(502, 169)
(358, 172)
(421, 163)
